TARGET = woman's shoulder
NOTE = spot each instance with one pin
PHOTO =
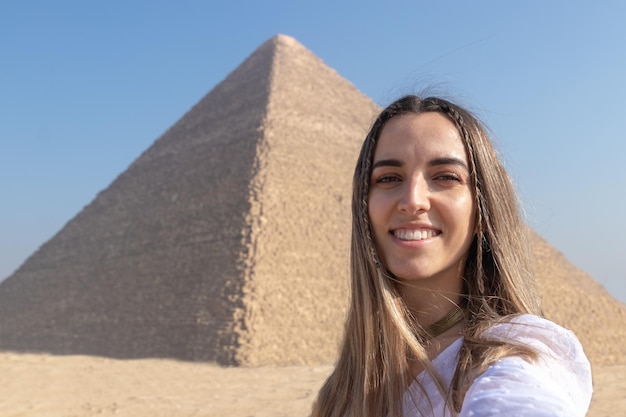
(540, 334)
(530, 322)
(558, 383)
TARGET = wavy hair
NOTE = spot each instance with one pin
(372, 372)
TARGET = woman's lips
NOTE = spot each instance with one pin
(415, 234)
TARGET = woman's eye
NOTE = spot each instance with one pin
(386, 179)
(449, 176)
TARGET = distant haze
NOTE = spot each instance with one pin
(85, 89)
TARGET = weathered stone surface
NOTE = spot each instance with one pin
(154, 265)
(574, 299)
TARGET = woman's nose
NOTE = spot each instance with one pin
(415, 197)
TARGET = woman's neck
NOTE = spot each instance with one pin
(430, 303)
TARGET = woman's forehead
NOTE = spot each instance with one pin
(424, 135)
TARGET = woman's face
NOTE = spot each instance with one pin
(421, 204)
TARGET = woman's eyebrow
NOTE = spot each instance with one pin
(433, 162)
(448, 161)
(388, 163)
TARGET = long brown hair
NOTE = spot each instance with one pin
(371, 374)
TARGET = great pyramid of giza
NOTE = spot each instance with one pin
(224, 237)
(227, 240)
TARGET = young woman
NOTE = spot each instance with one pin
(444, 318)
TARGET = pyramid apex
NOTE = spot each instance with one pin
(282, 40)
(285, 39)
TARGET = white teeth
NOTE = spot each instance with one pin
(414, 234)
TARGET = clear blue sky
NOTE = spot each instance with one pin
(85, 87)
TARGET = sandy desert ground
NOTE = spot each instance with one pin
(80, 386)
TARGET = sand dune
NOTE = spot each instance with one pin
(81, 386)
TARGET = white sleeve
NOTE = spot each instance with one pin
(558, 384)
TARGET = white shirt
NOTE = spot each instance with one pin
(558, 384)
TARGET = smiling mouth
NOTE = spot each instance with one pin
(413, 235)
